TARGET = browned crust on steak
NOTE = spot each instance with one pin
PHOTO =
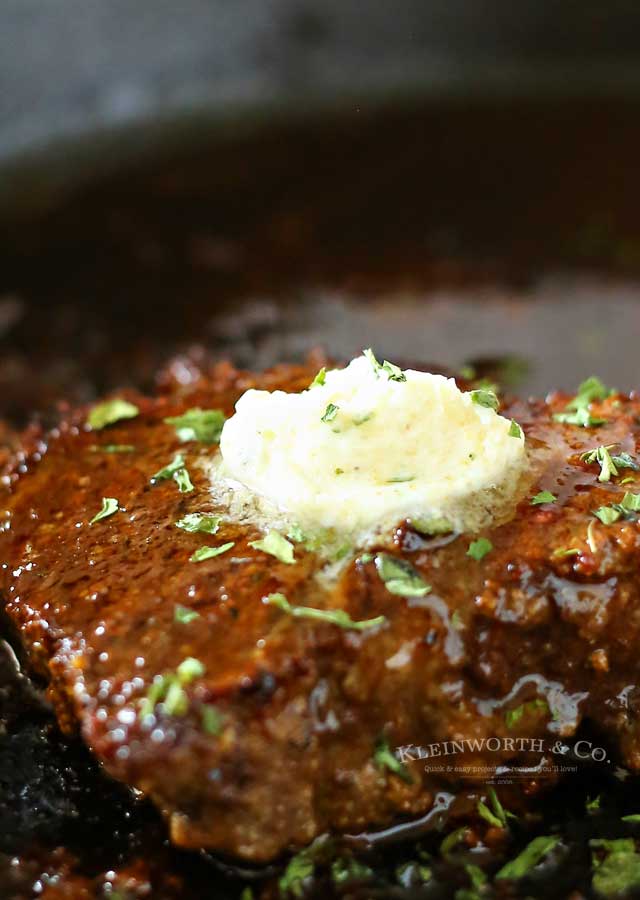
(303, 703)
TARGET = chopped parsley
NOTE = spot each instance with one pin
(299, 869)
(494, 813)
(543, 497)
(212, 720)
(276, 545)
(634, 818)
(577, 410)
(168, 689)
(332, 616)
(532, 854)
(176, 470)
(384, 758)
(431, 527)
(485, 398)
(320, 378)
(199, 522)
(330, 413)
(169, 471)
(182, 615)
(570, 551)
(113, 448)
(344, 871)
(197, 424)
(393, 373)
(515, 430)
(182, 479)
(203, 553)
(619, 872)
(109, 507)
(479, 549)
(609, 465)
(400, 479)
(111, 411)
(400, 577)
(513, 716)
(610, 514)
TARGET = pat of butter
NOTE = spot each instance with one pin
(364, 451)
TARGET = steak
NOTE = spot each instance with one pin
(254, 730)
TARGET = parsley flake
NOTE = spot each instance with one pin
(479, 549)
(199, 522)
(393, 373)
(320, 378)
(609, 465)
(513, 716)
(197, 424)
(543, 497)
(608, 514)
(384, 758)
(330, 413)
(110, 412)
(577, 410)
(276, 545)
(400, 577)
(183, 616)
(176, 470)
(485, 398)
(431, 527)
(168, 689)
(203, 553)
(494, 813)
(532, 854)
(113, 448)
(109, 507)
(332, 616)
(515, 430)
(212, 720)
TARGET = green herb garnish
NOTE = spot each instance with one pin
(609, 464)
(168, 689)
(431, 527)
(182, 615)
(610, 514)
(203, 553)
(276, 545)
(453, 839)
(393, 373)
(113, 448)
(344, 871)
(182, 479)
(330, 413)
(571, 551)
(385, 759)
(400, 577)
(299, 869)
(176, 470)
(479, 549)
(485, 398)
(543, 497)
(515, 430)
(532, 854)
(212, 720)
(199, 522)
(197, 424)
(400, 479)
(169, 471)
(331, 616)
(320, 378)
(513, 716)
(111, 411)
(619, 872)
(109, 507)
(494, 813)
(577, 410)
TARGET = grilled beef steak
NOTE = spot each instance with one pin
(254, 730)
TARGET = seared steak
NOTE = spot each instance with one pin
(280, 730)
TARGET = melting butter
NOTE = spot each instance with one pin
(369, 446)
